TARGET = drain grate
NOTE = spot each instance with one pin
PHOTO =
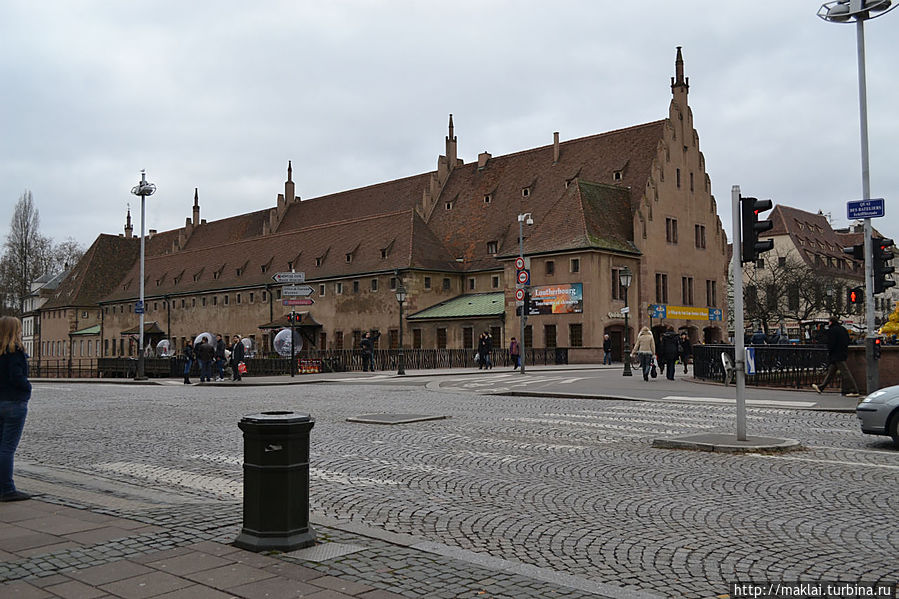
(394, 418)
(325, 551)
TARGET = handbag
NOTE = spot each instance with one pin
(241, 368)
(653, 372)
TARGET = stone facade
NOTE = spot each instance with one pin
(638, 198)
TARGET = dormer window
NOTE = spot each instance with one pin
(215, 275)
(525, 192)
(491, 247)
(349, 258)
(487, 198)
(319, 261)
(617, 175)
(448, 205)
(384, 253)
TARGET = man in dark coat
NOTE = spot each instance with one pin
(205, 354)
(219, 358)
(189, 356)
(237, 355)
(686, 349)
(837, 353)
(669, 351)
(367, 352)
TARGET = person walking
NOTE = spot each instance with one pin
(686, 349)
(189, 357)
(645, 348)
(219, 358)
(515, 353)
(205, 354)
(606, 350)
(483, 356)
(237, 356)
(367, 352)
(837, 353)
(669, 352)
(15, 391)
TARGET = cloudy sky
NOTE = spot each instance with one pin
(220, 95)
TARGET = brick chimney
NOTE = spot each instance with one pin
(555, 147)
(483, 157)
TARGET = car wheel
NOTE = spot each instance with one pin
(893, 428)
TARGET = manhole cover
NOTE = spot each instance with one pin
(393, 418)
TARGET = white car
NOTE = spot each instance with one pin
(879, 413)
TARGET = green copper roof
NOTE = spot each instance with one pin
(94, 330)
(465, 306)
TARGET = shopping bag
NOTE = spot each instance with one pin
(241, 368)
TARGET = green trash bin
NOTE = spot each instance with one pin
(276, 482)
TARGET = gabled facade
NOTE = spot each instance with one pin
(636, 197)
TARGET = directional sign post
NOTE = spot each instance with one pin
(289, 277)
(298, 302)
(297, 290)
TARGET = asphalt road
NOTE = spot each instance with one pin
(565, 484)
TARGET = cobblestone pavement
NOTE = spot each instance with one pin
(563, 485)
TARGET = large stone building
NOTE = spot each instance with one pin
(637, 197)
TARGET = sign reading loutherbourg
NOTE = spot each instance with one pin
(567, 298)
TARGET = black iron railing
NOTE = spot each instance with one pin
(313, 360)
(775, 365)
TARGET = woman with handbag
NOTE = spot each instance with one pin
(237, 355)
(645, 348)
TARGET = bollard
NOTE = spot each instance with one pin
(276, 482)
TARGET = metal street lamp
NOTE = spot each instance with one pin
(142, 189)
(625, 276)
(401, 357)
(844, 11)
(522, 219)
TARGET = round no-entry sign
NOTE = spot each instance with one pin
(519, 295)
(519, 263)
(523, 277)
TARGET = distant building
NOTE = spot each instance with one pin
(41, 290)
(637, 197)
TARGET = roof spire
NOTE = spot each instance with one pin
(678, 80)
(129, 229)
(196, 196)
(289, 171)
(451, 136)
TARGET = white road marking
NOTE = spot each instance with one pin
(749, 402)
(835, 462)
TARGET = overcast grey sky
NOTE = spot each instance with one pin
(220, 95)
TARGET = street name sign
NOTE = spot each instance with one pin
(298, 302)
(289, 277)
(298, 290)
(859, 209)
(139, 308)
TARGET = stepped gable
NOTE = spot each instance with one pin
(813, 236)
(374, 244)
(470, 222)
(381, 198)
(103, 265)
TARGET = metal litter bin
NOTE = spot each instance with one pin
(276, 482)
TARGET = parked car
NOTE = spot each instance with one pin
(878, 413)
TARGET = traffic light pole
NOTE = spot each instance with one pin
(739, 343)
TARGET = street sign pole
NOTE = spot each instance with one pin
(524, 306)
(739, 345)
(293, 332)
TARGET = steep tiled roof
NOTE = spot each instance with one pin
(472, 220)
(814, 239)
(98, 271)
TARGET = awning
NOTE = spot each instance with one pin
(94, 330)
(150, 328)
(474, 305)
(306, 320)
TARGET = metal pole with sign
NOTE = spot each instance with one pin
(520, 267)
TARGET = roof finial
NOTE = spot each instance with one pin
(289, 171)
(196, 196)
(451, 135)
(679, 67)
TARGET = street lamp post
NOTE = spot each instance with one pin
(522, 219)
(142, 189)
(401, 357)
(625, 276)
(844, 11)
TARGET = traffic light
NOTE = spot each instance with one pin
(855, 296)
(856, 251)
(882, 268)
(293, 318)
(878, 343)
(751, 226)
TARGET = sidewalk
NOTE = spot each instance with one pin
(78, 542)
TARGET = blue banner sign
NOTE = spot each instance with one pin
(865, 209)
